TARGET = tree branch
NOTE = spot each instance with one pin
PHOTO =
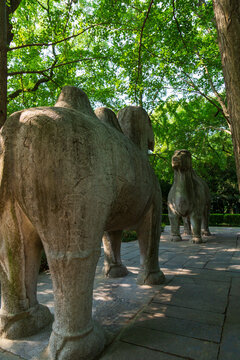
(178, 26)
(51, 67)
(42, 5)
(34, 88)
(12, 7)
(218, 97)
(193, 85)
(68, 15)
(58, 41)
(216, 128)
(139, 67)
(44, 79)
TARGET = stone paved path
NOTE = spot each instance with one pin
(194, 315)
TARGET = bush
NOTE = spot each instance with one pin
(165, 219)
(44, 263)
(224, 220)
(216, 219)
(129, 235)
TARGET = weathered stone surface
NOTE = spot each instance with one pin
(75, 177)
(189, 197)
(132, 128)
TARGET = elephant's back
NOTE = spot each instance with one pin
(58, 153)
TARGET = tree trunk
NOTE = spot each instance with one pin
(227, 15)
(3, 62)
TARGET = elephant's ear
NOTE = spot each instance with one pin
(151, 141)
(74, 98)
(107, 116)
(136, 125)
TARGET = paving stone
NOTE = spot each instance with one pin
(177, 261)
(236, 254)
(195, 297)
(235, 287)
(233, 311)
(198, 280)
(4, 355)
(233, 267)
(183, 327)
(193, 300)
(166, 256)
(224, 256)
(217, 265)
(131, 254)
(217, 276)
(178, 312)
(230, 345)
(198, 263)
(170, 343)
(123, 351)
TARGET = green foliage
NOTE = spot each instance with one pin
(44, 263)
(133, 52)
(224, 220)
(216, 219)
(165, 219)
(193, 124)
(129, 235)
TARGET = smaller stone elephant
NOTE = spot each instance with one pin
(134, 123)
(189, 197)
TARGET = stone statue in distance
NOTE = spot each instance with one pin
(189, 197)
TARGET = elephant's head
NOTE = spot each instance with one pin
(74, 98)
(136, 125)
(182, 160)
(108, 117)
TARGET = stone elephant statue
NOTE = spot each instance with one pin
(134, 122)
(65, 178)
(189, 198)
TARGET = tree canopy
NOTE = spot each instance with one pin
(136, 51)
(162, 55)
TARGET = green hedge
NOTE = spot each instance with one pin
(224, 220)
(165, 219)
(129, 235)
(216, 219)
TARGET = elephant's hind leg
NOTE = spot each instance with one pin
(113, 266)
(20, 315)
(149, 233)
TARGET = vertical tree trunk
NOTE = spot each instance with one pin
(227, 15)
(3, 62)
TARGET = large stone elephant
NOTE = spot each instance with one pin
(65, 178)
(189, 198)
